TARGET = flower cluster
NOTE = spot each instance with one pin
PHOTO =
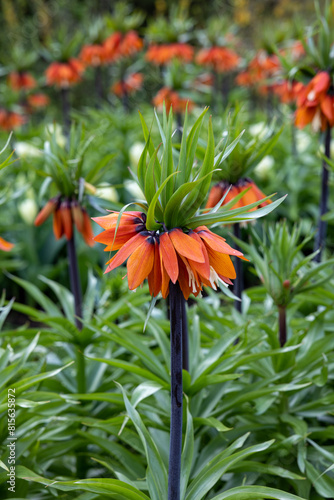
(193, 258)
(220, 59)
(315, 103)
(287, 90)
(252, 195)
(261, 68)
(171, 99)
(132, 83)
(115, 47)
(10, 120)
(165, 53)
(64, 74)
(20, 80)
(66, 213)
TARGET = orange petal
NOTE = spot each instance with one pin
(216, 194)
(155, 278)
(66, 217)
(186, 246)
(203, 269)
(87, 231)
(77, 216)
(124, 233)
(169, 257)
(5, 245)
(110, 221)
(184, 280)
(140, 263)
(125, 252)
(217, 243)
(164, 277)
(304, 116)
(327, 107)
(221, 263)
(57, 224)
(46, 211)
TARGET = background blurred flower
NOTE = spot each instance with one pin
(26, 150)
(265, 166)
(28, 210)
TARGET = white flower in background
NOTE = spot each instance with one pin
(26, 150)
(55, 129)
(259, 130)
(133, 188)
(263, 169)
(135, 153)
(303, 141)
(107, 192)
(28, 210)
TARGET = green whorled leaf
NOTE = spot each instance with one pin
(228, 150)
(207, 380)
(4, 311)
(213, 471)
(150, 179)
(132, 463)
(28, 382)
(255, 493)
(192, 141)
(132, 368)
(95, 173)
(187, 456)
(64, 296)
(157, 474)
(114, 488)
(323, 484)
(211, 422)
(47, 304)
(183, 153)
(252, 466)
(151, 225)
(141, 169)
(196, 197)
(237, 215)
(174, 211)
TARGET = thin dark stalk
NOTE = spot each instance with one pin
(239, 280)
(98, 86)
(175, 449)
(282, 325)
(80, 358)
(320, 239)
(65, 100)
(75, 281)
(185, 336)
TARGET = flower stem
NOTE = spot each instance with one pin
(65, 99)
(320, 239)
(185, 336)
(282, 325)
(80, 358)
(75, 281)
(176, 326)
(239, 280)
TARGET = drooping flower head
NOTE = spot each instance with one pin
(168, 239)
(259, 72)
(164, 53)
(64, 74)
(171, 99)
(131, 84)
(37, 101)
(72, 178)
(21, 80)
(233, 181)
(93, 55)
(315, 103)
(221, 59)
(10, 120)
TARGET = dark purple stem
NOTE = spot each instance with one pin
(282, 325)
(175, 449)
